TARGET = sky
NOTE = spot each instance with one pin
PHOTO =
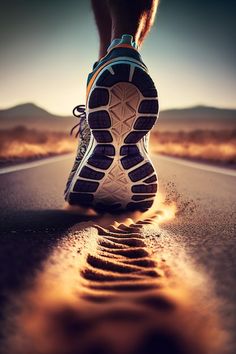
(47, 49)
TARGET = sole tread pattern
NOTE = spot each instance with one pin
(122, 110)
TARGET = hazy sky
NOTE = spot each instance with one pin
(47, 48)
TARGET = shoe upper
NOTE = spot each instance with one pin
(84, 135)
(124, 47)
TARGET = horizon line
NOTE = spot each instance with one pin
(161, 110)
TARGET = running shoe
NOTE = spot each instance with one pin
(112, 171)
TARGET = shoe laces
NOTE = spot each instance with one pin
(80, 113)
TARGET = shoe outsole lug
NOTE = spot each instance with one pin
(123, 108)
(85, 186)
(150, 179)
(102, 136)
(144, 123)
(100, 161)
(149, 92)
(141, 172)
(88, 172)
(144, 83)
(129, 150)
(131, 161)
(99, 120)
(99, 97)
(148, 106)
(142, 188)
(121, 74)
(134, 137)
(138, 197)
(105, 149)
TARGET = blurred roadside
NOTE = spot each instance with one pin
(208, 134)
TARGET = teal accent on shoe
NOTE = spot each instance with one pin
(125, 39)
(116, 52)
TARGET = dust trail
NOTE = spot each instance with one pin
(105, 290)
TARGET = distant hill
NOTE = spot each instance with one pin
(199, 117)
(34, 117)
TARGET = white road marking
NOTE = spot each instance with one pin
(199, 165)
(27, 165)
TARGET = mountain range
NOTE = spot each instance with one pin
(34, 117)
(185, 119)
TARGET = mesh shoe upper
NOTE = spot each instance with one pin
(84, 135)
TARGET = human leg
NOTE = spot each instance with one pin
(134, 17)
(103, 20)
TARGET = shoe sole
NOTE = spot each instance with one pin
(116, 173)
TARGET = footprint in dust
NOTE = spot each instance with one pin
(115, 298)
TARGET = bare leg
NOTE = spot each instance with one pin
(103, 20)
(133, 17)
(117, 17)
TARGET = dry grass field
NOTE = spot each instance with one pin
(22, 144)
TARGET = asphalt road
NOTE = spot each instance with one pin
(33, 220)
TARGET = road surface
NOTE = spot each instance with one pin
(33, 223)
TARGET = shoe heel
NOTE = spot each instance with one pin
(117, 173)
